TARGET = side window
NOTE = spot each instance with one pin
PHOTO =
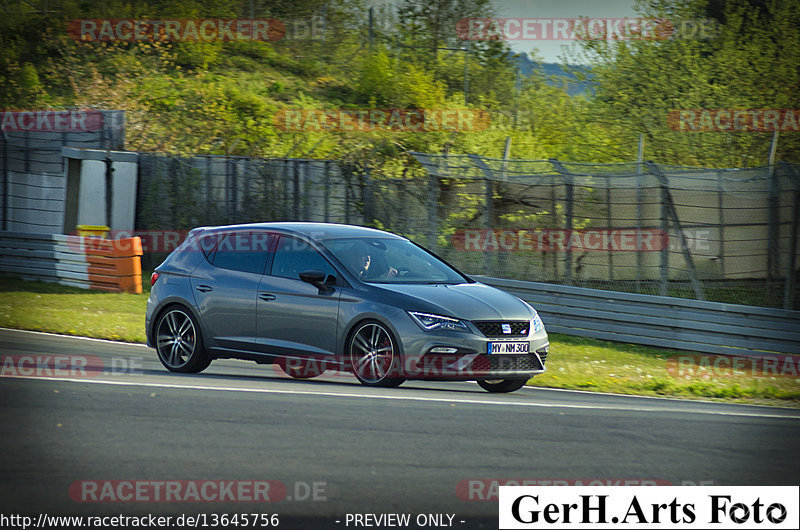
(206, 243)
(242, 251)
(293, 256)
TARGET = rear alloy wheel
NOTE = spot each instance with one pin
(301, 369)
(373, 355)
(501, 385)
(179, 343)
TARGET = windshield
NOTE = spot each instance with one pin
(377, 260)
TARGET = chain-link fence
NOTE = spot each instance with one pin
(184, 192)
(712, 234)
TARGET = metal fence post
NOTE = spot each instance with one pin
(569, 185)
(369, 198)
(234, 169)
(246, 201)
(209, 191)
(721, 220)
(488, 200)
(664, 266)
(639, 213)
(433, 204)
(175, 188)
(27, 152)
(327, 184)
(668, 211)
(789, 285)
(608, 222)
(285, 186)
(5, 181)
(109, 182)
(305, 185)
(296, 180)
(487, 221)
(346, 179)
(773, 248)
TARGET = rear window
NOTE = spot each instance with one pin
(242, 251)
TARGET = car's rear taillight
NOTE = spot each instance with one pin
(153, 278)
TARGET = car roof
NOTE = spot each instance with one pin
(314, 231)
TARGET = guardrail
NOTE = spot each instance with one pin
(705, 327)
(90, 263)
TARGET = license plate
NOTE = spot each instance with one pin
(507, 347)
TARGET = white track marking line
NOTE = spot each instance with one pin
(405, 398)
(77, 337)
(535, 389)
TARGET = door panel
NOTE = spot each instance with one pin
(294, 317)
(226, 290)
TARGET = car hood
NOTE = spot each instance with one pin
(469, 301)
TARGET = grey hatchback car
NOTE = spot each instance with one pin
(311, 297)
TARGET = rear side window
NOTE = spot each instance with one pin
(293, 256)
(207, 242)
(242, 251)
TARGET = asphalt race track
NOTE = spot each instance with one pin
(339, 447)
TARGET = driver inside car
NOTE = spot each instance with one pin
(367, 267)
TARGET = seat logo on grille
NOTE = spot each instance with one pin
(506, 329)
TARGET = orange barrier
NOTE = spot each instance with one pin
(114, 264)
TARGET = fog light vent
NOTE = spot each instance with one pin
(443, 349)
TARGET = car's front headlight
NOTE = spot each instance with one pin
(536, 322)
(430, 322)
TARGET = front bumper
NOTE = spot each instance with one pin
(463, 356)
(475, 366)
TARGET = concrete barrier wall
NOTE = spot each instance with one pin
(89, 263)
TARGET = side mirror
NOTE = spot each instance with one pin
(316, 278)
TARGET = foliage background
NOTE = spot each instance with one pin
(220, 97)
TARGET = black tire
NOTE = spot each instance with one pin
(372, 354)
(301, 369)
(501, 385)
(179, 343)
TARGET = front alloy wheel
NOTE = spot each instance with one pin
(373, 355)
(178, 342)
(501, 385)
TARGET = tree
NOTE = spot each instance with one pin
(749, 59)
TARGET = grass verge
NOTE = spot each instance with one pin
(53, 308)
(573, 363)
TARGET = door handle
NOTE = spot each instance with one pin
(267, 297)
(204, 288)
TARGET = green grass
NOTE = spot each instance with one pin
(602, 366)
(573, 362)
(54, 308)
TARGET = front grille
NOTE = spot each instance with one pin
(494, 328)
(506, 363)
